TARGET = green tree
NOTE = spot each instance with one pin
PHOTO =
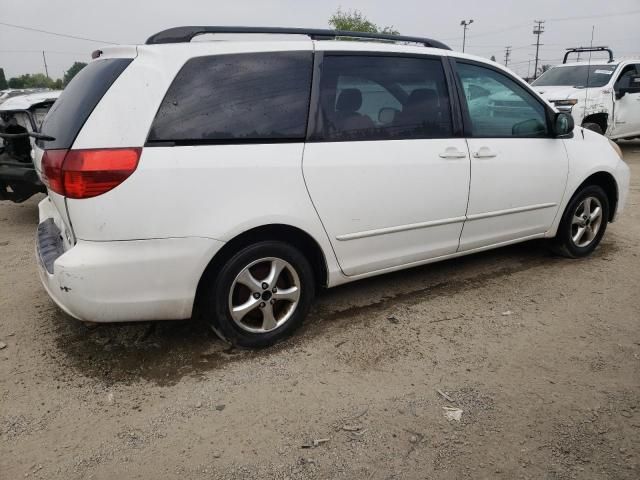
(73, 71)
(355, 21)
(16, 82)
(3, 80)
(35, 80)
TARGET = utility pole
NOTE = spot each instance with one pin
(507, 54)
(44, 59)
(465, 24)
(538, 28)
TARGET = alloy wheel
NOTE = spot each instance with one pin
(264, 295)
(586, 223)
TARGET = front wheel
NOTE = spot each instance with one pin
(261, 295)
(583, 223)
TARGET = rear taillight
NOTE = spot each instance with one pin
(52, 169)
(88, 173)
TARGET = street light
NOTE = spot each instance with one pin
(465, 24)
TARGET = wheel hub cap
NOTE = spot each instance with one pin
(264, 295)
(587, 220)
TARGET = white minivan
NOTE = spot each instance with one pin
(231, 179)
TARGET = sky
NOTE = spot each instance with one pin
(496, 24)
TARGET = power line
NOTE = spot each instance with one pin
(75, 37)
(47, 51)
(563, 19)
(587, 17)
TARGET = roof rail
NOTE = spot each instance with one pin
(186, 34)
(588, 49)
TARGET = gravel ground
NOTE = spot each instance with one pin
(541, 354)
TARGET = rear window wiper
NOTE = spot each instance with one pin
(36, 135)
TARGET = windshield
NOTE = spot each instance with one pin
(597, 75)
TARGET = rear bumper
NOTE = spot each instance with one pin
(125, 280)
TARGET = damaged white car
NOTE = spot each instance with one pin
(601, 96)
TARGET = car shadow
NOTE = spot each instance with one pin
(165, 352)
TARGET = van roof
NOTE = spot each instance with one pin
(185, 34)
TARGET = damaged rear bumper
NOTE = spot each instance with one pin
(120, 281)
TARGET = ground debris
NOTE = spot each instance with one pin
(315, 443)
(351, 428)
(444, 395)
(452, 413)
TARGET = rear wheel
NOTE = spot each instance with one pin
(583, 223)
(594, 127)
(260, 296)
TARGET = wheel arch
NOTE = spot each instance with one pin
(282, 232)
(601, 119)
(608, 183)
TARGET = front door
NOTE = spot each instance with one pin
(518, 170)
(627, 108)
(383, 168)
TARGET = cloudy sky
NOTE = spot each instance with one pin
(497, 23)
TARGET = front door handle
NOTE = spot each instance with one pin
(453, 152)
(484, 152)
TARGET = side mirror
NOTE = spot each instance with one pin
(563, 124)
(634, 87)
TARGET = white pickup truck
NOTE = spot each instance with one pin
(603, 96)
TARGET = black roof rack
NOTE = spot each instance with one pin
(588, 49)
(186, 34)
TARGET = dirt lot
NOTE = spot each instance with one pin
(542, 355)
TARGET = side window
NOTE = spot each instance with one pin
(239, 97)
(498, 106)
(382, 98)
(624, 79)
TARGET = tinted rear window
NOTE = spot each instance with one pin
(79, 98)
(237, 98)
(382, 98)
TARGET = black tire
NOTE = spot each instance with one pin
(217, 299)
(563, 243)
(594, 127)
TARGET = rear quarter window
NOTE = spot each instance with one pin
(237, 98)
(77, 101)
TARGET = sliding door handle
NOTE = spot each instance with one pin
(484, 152)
